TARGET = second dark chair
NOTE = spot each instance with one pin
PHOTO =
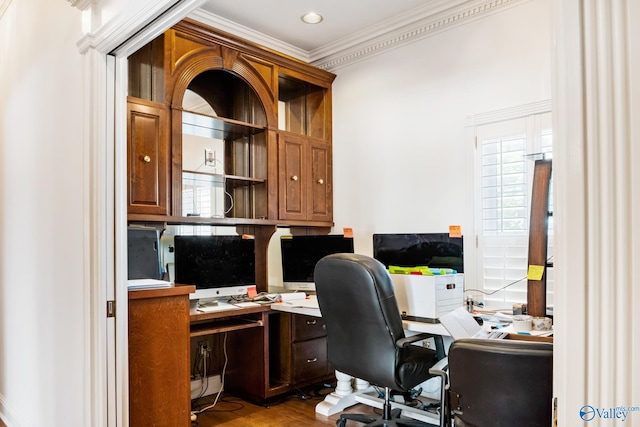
(495, 383)
(365, 335)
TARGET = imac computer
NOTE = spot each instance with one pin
(218, 266)
(300, 254)
(435, 250)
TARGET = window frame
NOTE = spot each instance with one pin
(533, 120)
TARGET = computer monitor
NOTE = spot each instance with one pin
(218, 266)
(300, 254)
(436, 250)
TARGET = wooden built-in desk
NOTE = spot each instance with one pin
(257, 342)
(268, 352)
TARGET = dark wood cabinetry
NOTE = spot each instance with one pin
(148, 157)
(227, 111)
(224, 132)
(306, 179)
(268, 353)
(301, 357)
(159, 392)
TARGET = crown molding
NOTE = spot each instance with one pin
(404, 29)
(434, 17)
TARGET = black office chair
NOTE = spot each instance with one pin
(495, 383)
(365, 335)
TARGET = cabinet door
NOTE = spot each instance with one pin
(292, 170)
(148, 155)
(319, 187)
(305, 179)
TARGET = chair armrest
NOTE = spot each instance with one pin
(403, 342)
(440, 368)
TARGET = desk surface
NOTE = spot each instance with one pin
(310, 307)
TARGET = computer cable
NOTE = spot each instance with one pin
(224, 370)
(502, 288)
(200, 368)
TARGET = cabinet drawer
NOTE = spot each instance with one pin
(307, 327)
(309, 359)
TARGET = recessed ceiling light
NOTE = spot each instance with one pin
(311, 18)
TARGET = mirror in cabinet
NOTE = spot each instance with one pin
(223, 150)
(302, 107)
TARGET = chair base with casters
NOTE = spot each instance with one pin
(389, 418)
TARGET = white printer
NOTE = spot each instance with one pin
(426, 298)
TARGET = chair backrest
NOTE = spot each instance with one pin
(501, 382)
(356, 297)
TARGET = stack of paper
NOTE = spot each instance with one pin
(138, 284)
(461, 324)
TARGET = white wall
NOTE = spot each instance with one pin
(42, 294)
(402, 156)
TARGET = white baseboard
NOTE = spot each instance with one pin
(206, 386)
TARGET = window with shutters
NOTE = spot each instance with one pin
(505, 154)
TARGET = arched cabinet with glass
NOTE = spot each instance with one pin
(223, 152)
(222, 131)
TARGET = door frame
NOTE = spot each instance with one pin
(105, 52)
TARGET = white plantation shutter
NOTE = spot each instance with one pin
(504, 168)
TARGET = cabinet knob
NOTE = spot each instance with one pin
(321, 181)
(147, 159)
(315, 359)
(294, 178)
(311, 322)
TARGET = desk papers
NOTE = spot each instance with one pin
(138, 284)
(461, 324)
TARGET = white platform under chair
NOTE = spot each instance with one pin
(350, 391)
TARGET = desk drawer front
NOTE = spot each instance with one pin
(309, 359)
(307, 327)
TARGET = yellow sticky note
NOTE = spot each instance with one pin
(535, 272)
(348, 232)
(455, 231)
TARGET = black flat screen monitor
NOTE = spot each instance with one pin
(217, 265)
(143, 253)
(436, 250)
(300, 254)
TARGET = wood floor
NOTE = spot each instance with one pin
(295, 410)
